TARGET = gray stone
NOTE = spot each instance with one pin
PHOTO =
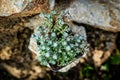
(103, 14)
(8, 7)
(23, 8)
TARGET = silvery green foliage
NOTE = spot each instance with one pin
(56, 42)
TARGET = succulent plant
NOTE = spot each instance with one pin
(56, 42)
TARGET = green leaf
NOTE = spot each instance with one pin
(115, 59)
(90, 68)
(53, 43)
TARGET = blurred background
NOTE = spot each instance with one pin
(101, 21)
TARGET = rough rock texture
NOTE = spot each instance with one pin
(8, 7)
(103, 14)
(22, 8)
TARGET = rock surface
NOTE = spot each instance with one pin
(103, 14)
(22, 8)
(8, 7)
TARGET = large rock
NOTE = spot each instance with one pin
(23, 7)
(8, 7)
(103, 14)
(12, 11)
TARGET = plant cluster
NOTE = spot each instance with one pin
(56, 42)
